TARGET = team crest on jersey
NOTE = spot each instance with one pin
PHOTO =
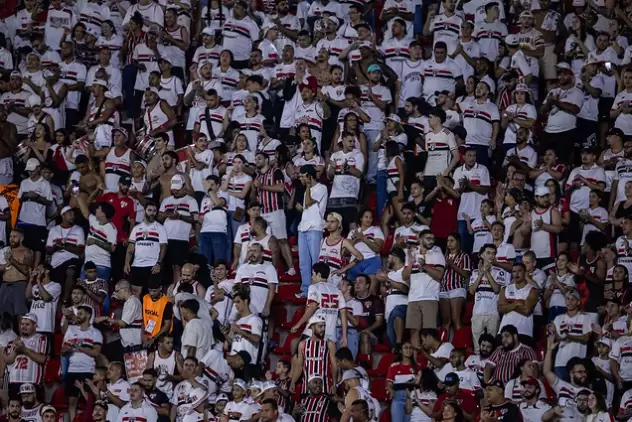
(123, 204)
(145, 234)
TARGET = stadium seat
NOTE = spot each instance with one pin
(385, 416)
(382, 366)
(58, 340)
(295, 319)
(378, 389)
(51, 370)
(279, 314)
(58, 400)
(286, 349)
(382, 348)
(285, 293)
(463, 338)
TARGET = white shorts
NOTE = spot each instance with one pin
(453, 294)
(276, 221)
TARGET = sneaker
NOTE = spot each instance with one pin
(300, 296)
(291, 271)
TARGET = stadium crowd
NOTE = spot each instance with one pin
(315, 211)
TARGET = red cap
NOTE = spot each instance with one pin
(312, 84)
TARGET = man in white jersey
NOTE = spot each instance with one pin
(445, 27)
(65, 243)
(26, 355)
(148, 247)
(31, 410)
(245, 333)
(327, 301)
(262, 279)
(424, 268)
(117, 389)
(82, 343)
(44, 295)
(138, 408)
(443, 154)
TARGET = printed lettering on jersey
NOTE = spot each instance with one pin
(329, 301)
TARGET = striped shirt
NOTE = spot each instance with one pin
(316, 362)
(451, 278)
(270, 201)
(506, 362)
(401, 375)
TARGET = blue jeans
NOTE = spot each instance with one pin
(382, 194)
(353, 340)
(214, 246)
(554, 311)
(482, 154)
(419, 20)
(366, 266)
(102, 272)
(466, 237)
(308, 251)
(233, 226)
(371, 172)
(398, 312)
(398, 407)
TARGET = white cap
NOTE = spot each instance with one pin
(208, 31)
(221, 397)
(32, 164)
(350, 374)
(35, 100)
(526, 14)
(579, 3)
(522, 88)
(314, 377)
(100, 82)
(564, 66)
(605, 341)
(590, 60)
(47, 408)
(239, 383)
(316, 319)
(66, 209)
(512, 39)
(267, 386)
(31, 317)
(394, 117)
(542, 191)
(27, 388)
(153, 89)
(177, 182)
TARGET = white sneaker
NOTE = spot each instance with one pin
(291, 271)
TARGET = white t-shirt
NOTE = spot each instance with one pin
(251, 324)
(313, 216)
(197, 333)
(565, 325)
(119, 388)
(559, 120)
(185, 206)
(471, 201)
(147, 239)
(131, 335)
(422, 286)
(214, 218)
(80, 362)
(32, 212)
(104, 233)
(72, 236)
(46, 311)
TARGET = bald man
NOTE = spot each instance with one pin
(188, 274)
(131, 322)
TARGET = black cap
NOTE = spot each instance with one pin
(125, 180)
(309, 170)
(512, 74)
(496, 383)
(616, 132)
(245, 356)
(399, 252)
(451, 379)
(444, 92)
(589, 150)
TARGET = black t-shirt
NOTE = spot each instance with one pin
(168, 313)
(157, 397)
(508, 412)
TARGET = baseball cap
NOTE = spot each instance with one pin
(221, 397)
(240, 383)
(316, 319)
(542, 191)
(564, 66)
(573, 293)
(100, 82)
(153, 89)
(27, 388)
(590, 60)
(122, 130)
(443, 92)
(579, 3)
(399, 252)
(530, 381)
(208, 31)
(350, 374)
(66, 209)
(394, 117)
(374, 68)
(521, 88)
(125, 180)
(451, 379)
(245, 356)
(308, 169)
(141, 162)
(35, 100)
(616, 132)
(526, 14)
(336, 216)
(16, 74)
(365, 44)
(512, 39)
(314, 377)
(47, 408)
(177, 182)
(32, 164)
(589, 150)
(312, 83)
(496, 383)
(267, 386)
(605, 341)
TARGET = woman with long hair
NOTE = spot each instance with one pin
(351, 123)
(616, 285)
(520, 113)
(549, 169)
(227, 75)
(579, 44)
(470, 86)
(509, 209)
(451, 412)
(399, 379)
(39, 144)
(240, 147)
(368, 240)
(421, 400)
(598, 409)
(452, 294)
(111, 40)
(620, 210)
(557, 285)
(308, 154)
(61, 164)
(236, 184)
(390, 164)
(557, 200)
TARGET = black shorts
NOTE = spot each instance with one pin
(34, 236)
(69, 385)
(574, 232)
(177, 252)
(138, 276)
(59, 273)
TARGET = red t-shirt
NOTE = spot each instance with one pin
(125, 213)
(444, 216)
(465, 399)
